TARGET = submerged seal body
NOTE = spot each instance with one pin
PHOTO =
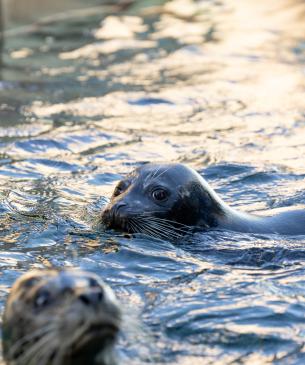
(60, 318)
(169, 200)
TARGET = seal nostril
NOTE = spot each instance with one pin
(119, 207)
(84, 299)
(92, 298)
(114, 217)
(93, 283)
(100, 296)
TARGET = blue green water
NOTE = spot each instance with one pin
(218, 85)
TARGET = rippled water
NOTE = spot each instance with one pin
(219, 85)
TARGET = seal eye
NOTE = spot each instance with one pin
(43, 298)
(122, 186)
(93, 283)
(160, 194)
(30, 282)
(117, 191)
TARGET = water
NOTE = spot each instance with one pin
(218, 85)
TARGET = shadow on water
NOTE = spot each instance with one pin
(88, 95)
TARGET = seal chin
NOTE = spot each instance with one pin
(96, 338)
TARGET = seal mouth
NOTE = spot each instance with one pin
(96, 337)
(95, 341)
(147, 224)
(106, 330)
(113, 219)
(154, 224)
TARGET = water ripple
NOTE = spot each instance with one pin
(89, 95)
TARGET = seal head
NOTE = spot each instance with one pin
(60, 317)
(164, 201)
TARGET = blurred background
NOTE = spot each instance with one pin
(18, 12)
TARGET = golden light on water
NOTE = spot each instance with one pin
(252, 51)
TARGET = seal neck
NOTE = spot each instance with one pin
(234, 220)
(230, 219)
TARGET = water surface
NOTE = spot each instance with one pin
(218, 85)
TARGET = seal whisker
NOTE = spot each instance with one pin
(43, 356)
(154, 229)
(170, 226)
(134, 226)
(167, 224)
(148, 214)
(151, 175)
(169, 231)
(40, 344)
(150, 231)
(58, 359)
(39, 332)
(148, 220)
(77, 334)
(142, 228)
(147, 229)
(153, 233)
(46, 358)
(155, 174)
(161, 232)
(164, 232)
(148, 178)
(163, 172)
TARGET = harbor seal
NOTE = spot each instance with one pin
(169, 200)
(60, 317)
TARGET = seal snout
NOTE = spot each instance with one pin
(116, 216)
(119, 207)
(87, 290)
(91, 298)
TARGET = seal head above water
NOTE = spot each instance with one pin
(164, 201)
(60, 318)
(168, 200)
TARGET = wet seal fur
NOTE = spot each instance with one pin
(169, 200)
(63, 317)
